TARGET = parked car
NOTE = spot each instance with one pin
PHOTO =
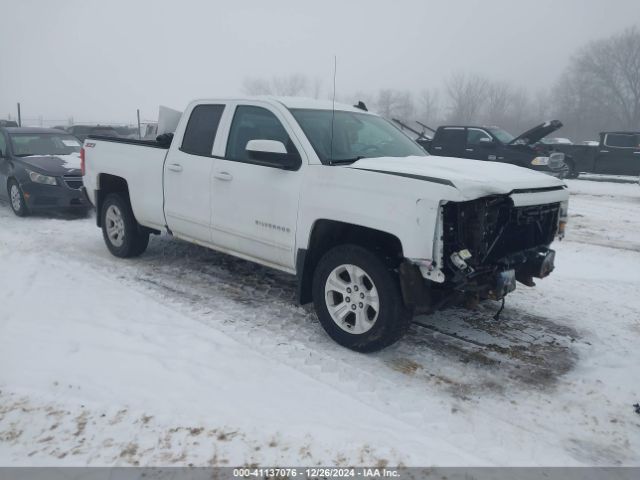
(617, 153)
(497, 145)
(40, 169)
(83, 131)
(374, 228)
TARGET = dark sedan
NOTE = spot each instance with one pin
(40, 170)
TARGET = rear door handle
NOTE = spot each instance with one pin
(175, 167)
(604, 151)
(226, 176)
(469, 149)
(437, 148)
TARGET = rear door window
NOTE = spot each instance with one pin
(201, 130)
(620, 140)
(451, 137)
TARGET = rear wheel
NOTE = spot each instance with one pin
(358, 300)
(122, 233)
(16, 199)
(572, 172)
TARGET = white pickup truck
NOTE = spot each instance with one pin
(375, 229)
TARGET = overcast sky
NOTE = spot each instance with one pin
(100, 60)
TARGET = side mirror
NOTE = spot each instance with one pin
(487, 142)
(272, 153)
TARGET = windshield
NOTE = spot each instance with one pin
(500, 134)
(27, 144)
(355, 136)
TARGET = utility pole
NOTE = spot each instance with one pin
(19, 116)
(139, 131)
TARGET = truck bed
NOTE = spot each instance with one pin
(140, 162)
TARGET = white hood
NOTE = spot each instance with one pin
(473, 178)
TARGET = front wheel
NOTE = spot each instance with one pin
(122, 233)
(16, 198)
(358, 300)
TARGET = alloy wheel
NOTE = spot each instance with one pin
(352, 299)
(16, 198)
(115, 226)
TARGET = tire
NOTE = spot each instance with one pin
(345, 281)
(123, 235)
(572, 173)
(16, 199)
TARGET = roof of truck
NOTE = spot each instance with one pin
(294, 102)
(315, 104)
(622, 132)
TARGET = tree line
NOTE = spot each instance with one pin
(599, 90)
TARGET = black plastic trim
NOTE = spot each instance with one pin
(441, 181)
(130, 141)
(301, 295)
(537, 190)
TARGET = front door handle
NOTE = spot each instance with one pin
(636, 153)
(175, 167)
(226, 176)
(604, 151)
(469, 149)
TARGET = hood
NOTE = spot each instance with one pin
(55, 165)
(473, 178)
(537, 133)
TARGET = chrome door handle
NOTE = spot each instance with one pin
(437, 148)
(223, 176)
(469, 149)
(604, 151)
(174, 167)
(636, 153)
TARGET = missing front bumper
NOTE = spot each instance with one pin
(505, 283)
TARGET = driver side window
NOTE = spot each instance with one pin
(254, 123)
(3, 145)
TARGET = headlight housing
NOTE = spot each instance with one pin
(40, 178)
(540, 161)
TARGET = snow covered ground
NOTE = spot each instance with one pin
(186, 356)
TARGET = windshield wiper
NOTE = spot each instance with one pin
(342, 161)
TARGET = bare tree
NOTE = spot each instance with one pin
(467, 94)
(289, 85)
(256, 86)
(318, 86)
(429, 106)
(603, 80)
(395, 104)
(499, 103)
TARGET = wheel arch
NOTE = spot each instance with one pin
(327, 234)
(107, 184)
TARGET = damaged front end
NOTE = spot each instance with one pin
(486, 245)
